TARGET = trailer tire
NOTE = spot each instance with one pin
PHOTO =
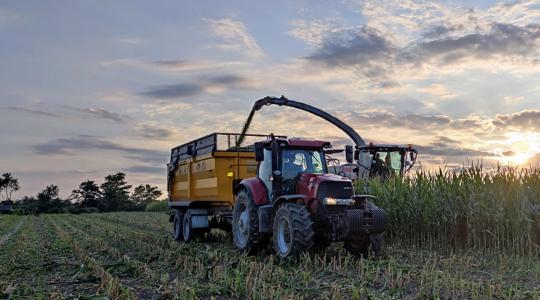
(292, 231)
(188, 233)
(245, 224)
(366, 246)
(178, 220)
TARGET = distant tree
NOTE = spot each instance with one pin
(115, 191)
(88, 194)
(48, 200)
(8, 185)
(144, 194)
(27, 205)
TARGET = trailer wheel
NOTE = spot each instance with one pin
(188, 233)
(366, 246)
(245, 224)
(292, 231)
(178, 220)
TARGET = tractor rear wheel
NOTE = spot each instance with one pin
(292, 231)
(178, 220)
(245, 225)
(366, 246)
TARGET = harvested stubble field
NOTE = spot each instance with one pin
(470, 236)
(131, 255)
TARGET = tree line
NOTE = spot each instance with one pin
(114, 194)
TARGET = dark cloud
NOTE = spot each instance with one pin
(152, 132)
(227, 79)
(146, 169)
(410, 121)
(352, 46)
(104, 114)
(509, 153)
(172, 63)
(192, 89)
(366, 50)
(503, 39)
(32, 111)
(441, 30)
(174, 90)
(83, 143)
(451, 150)
(527, 120)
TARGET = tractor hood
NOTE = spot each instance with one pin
(320, 186)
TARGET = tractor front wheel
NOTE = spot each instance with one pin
(292, 231)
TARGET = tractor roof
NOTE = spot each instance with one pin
(304, 143)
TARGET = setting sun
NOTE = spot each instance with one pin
(522, 147)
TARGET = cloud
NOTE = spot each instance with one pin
(439, 91)
(444, 146)
(312, 32)
(146, 169)
(153, 132)
(235, 37)
(175, 90)
(378, 58)
(354, 46)
(32, 111)
(502, 40)
(207, 84)
(83, 143)
(171, 65)
(101, 113)
(525, 120)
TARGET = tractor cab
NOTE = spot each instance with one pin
(385, 161)
(284, 161)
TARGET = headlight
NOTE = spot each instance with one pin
(334, 201)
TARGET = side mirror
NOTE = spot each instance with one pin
(259, 152)
(349, 153)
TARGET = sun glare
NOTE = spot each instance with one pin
(523, 146)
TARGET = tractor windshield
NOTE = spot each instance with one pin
(298, 161)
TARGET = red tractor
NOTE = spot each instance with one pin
(298, 205)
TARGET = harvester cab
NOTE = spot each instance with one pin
(297, 204)
(382, 161)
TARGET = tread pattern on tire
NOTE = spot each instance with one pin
(301, 229)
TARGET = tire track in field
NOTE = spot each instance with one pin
(8, 235)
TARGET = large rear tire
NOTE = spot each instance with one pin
(366, 246)
(245, 226)
(292, 231)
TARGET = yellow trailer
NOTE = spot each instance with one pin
(202, 175)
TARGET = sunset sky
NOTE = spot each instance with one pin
(88, 88)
